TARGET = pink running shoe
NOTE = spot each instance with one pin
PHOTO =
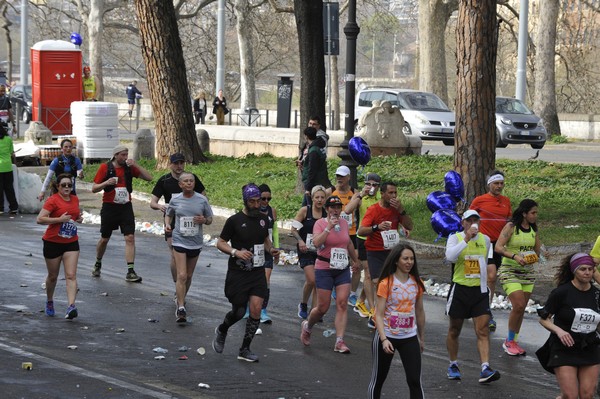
(340, 346)
(511, 348)
(522, 351)
(305, 334)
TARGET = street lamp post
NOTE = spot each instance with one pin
(351, 31)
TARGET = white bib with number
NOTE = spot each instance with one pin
(338, 258)
(585, 320)
(390, 238)
(347, 218)
(309, 242)
(401, 322)
(121, 195)
(259, 255)
(188, 227)
(67, 230)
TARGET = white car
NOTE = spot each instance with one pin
(425, 114)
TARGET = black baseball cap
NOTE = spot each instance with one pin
(177, 157)
(334, 200)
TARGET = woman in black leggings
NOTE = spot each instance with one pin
(400, 321)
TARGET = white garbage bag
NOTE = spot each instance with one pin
(30, 186)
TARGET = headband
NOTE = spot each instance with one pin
(250, 191)
(580, 259)
(494, 178)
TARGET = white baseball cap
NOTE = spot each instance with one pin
(342, 171)
(470, 213)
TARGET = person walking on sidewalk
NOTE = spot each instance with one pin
(115, 177)
(61, 243)
(133, 95)
(189, 211)
(220, 107)
(166, 186)
(245, 237)
(468, 297)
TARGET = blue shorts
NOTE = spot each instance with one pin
(307, 259)
(268, 263)
(327, 279)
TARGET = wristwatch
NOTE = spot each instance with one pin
(375, 227)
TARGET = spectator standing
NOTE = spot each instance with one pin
(89, 85)
(199, 106)
(166, 186)
(115, 177)
(7, 158)
(6, 114)
(314, 166)
(495, 211)
(220, 107)
(133, 95)
(61, 243)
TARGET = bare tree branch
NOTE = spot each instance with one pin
(279, 8)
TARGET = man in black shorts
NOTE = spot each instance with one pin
(166, 186)
(115, 178)
(245, 237)
(468, 297)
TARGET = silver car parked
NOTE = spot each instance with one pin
(517, 124)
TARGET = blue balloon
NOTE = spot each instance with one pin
(76, 39)
(445, 222)
(440, 200)
(359, 150)
(454, 185)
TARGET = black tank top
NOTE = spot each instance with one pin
(309, 222)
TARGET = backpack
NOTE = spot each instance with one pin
(60, 168)
(112, 173)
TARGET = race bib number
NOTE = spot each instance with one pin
(530, 257)
(390, 238)
(309, 242)
(338, 259)
(472, 269)
(347, 218)
(121, 195)
(67, 230)
(259, 255)
(401, 322)
(187, 227)
(585, 320)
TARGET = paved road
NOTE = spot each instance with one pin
(114, 338)
(577, 152)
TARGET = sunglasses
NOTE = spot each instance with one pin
(266, 198)
(371, 184)
(68, 185)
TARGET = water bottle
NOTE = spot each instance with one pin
(329, 332)
(337, 227)
(372, 191)
(543, 259)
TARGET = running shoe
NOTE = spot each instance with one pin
(71, 312)
(181, 315)
(305, 333)
(522, 351)
(453, 372)
(50, 308)
(218, 343)
(96, 271)
(492, 324)
(247, 355)
(361, 309)
(511, 348)
(264, 317)
(302, 310)
(371, 323)
(488, 375)
(352, 300)
(341, 347)
(132, 277)
(14, 211)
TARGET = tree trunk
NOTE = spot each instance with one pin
(242, 11)
(433, 18)
(167, 82)
(95, 28)
(476, 47)
(309, 22)
(544, 103)
(6, 24)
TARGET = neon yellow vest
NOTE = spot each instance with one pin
(89, 88)
(474, 247)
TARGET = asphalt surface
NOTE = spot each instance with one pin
(120, 324)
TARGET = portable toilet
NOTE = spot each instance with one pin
(56, 81)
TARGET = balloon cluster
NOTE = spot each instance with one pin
(445, 220)
(359, 150)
